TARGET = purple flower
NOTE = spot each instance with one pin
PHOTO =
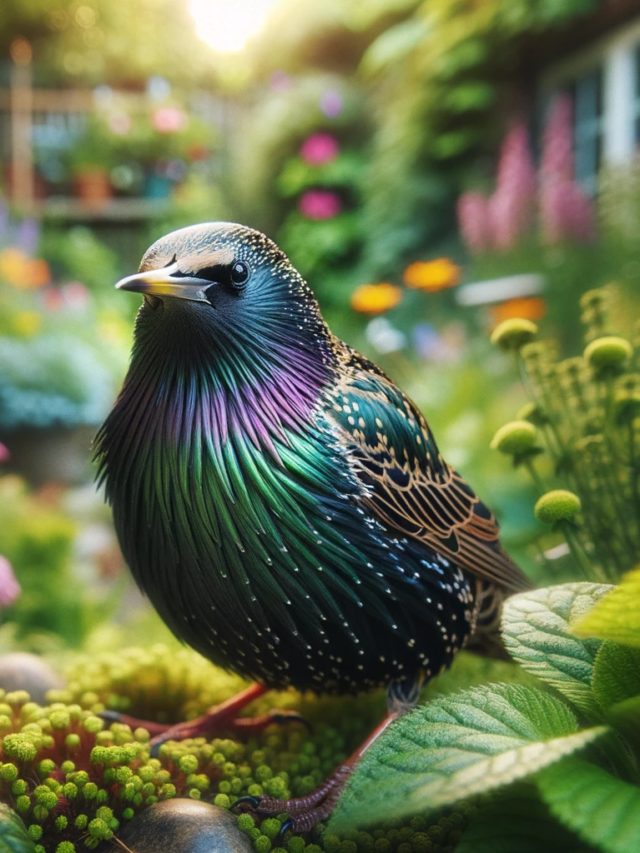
(4, 453)
(319, 149)
(473, 221)
(28, 236)
(319, 204)
(331, 103)
(9, 586)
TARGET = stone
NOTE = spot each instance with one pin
(183, 826)
(24, 671)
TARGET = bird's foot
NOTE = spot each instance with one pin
(220, 719)
(304, 812)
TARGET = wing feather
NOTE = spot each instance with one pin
(408, 485)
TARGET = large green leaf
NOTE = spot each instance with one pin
(13, 835)
(517, 821)
(617, 616)
(537, 632)
(603, 810)
(616, 674)
(457, 746)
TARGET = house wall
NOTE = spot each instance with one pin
(615, 54)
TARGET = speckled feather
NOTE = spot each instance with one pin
(280, 501)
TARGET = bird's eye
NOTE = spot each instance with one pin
(239, 273)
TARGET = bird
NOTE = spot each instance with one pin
(281, 502)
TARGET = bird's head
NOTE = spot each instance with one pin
(228, 284)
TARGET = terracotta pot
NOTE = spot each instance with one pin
(93, 187)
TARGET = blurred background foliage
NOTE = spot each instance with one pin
(420, 162)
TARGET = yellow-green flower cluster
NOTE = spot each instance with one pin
(585, 413)
(74, 780)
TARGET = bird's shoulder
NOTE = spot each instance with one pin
(408, 484)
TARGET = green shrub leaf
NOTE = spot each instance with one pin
(455, 747)
(603, 810)
(537, 632)
(13, 835)
(516, 820)
(617, 616)
(616, 674)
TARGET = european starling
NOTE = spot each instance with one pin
(280, 501)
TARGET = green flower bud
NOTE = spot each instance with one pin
(102, 796)
(262, 844)
(245, 822)
(9, 772)
(45, 767)
(92, 724)
(513, 334)
(168, 791)
(19, 787)
(40, 813)
(67, 766)
(59, 720)
(222, 800)
(72, 741)
(66, 847)
(6, 723)
(17, 697)
(61, 823)
(35, 832)
(608, 353)
(557, 505)
(22, 746)
(515, 438)
(23, 804)
(70, 790)
(99, 829)
(90, 791)
(270, 827)
(195, 794)
(127, 814)
(188, 764)
(627, 406)
(81, 821)
(331, 844)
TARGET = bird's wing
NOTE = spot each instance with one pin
(408, 484)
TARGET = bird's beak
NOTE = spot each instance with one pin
(168, 281)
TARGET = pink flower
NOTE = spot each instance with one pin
(319, 149)
(319, 204)
(511, 208)
(170, 120)
(566, 212)
(9, 586)
(473, 220)
(4, 453)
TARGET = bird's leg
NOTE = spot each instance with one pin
(305, 812)
(218, 719)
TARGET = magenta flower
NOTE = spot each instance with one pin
(169, 120)
(566, 212)
(319, 149)
(473, 220)
(9, 586)
(512, 206)
(319, 204)
(4, 453)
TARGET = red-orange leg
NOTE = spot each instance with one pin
(309, 810)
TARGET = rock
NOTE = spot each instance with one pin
(23, 671)
(184, 826)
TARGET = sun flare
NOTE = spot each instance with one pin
(227, 25)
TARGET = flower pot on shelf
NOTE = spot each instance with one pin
(93, 187)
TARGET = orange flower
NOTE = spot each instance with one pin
(432, 275)
(22, 272)
(375, 298)
(522, 308)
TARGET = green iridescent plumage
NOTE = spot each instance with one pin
(281, 502)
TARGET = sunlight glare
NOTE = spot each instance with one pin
(227, 25)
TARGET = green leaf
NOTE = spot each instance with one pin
(13, 835)
(455, 747)
(517, 821)
(616, 674)
(625, 719)
(616, 617)
(537, 632)
(603, 810)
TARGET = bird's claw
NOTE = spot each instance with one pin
(252, 802)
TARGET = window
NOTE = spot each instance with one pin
(587, 119)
